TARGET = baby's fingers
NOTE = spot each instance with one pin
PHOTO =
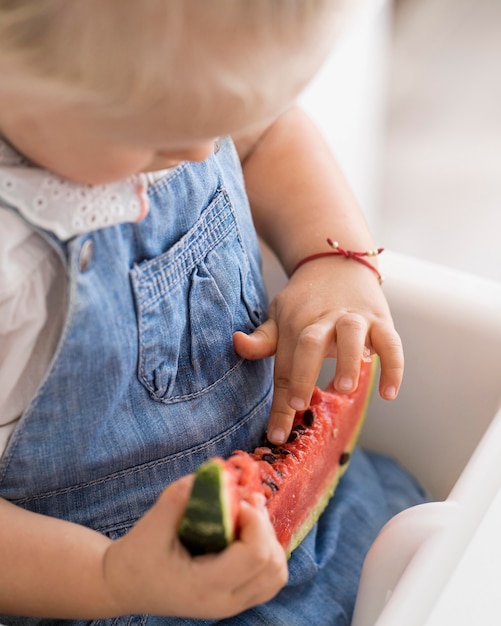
(269, 577)
(351, 334)
(312, 346)
(251, 570)
(387, 343)
(259, 344)
(257, 560)
(297, 366)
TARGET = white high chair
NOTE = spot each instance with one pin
(440, 563)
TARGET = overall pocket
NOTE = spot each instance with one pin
(189, 301)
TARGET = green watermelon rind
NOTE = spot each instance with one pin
(207, 525)
(324, 500)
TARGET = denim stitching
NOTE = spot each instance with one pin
(163, 282)
(187, 258)
(196, 394)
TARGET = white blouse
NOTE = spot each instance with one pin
(33, 282)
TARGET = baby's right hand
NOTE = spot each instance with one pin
(149, 571)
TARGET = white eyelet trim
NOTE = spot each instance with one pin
(66, 208)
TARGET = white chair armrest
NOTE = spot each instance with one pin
(450, 324)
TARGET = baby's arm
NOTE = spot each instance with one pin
(52, 568)
(332, 306)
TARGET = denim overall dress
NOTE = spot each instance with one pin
(145, 385)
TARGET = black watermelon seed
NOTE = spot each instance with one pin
(273, 486)
(344, 458)
(299, 428)
(308, 418)
(269, 458)
(293, 436)
(280, 451)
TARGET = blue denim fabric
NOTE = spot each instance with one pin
(145, 386)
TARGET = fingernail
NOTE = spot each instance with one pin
(344, 384)
(277, 436)
(297, 404)
(390, 392)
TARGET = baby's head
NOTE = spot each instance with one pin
(188, 70)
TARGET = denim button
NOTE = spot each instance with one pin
(86, 255)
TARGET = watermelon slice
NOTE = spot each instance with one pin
(297, 479)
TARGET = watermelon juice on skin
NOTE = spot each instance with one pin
(297, 479)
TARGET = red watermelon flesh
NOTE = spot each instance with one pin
(297, 478)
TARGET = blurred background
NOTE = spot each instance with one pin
(441, 175)
(410, 101)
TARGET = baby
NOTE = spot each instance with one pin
(144, 146)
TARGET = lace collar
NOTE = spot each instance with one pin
(65, 208)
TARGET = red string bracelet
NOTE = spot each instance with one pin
(349, 254)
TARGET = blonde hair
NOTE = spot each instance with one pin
(122, 53)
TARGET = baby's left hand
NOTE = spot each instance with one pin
(331, 307)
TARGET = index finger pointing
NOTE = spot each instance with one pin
(311, 349)
(296, 373)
